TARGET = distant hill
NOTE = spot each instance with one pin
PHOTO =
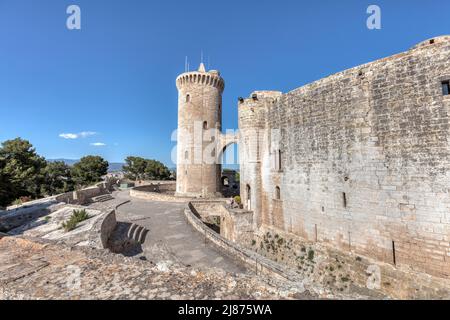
(69, 162)
(113, 166)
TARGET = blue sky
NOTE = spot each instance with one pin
(116, 76)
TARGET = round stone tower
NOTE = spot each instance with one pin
(199, 127)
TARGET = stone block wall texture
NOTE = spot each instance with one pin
(144, 193)
(199, 114)
(235, 224)
(361, 159)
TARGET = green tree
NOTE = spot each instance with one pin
(135, 168)
(57, 178)
(156, 170)
(138, 168)
(21, 169)
(7, 194)
(89, 170)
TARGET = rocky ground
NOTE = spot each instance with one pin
(37, 269)
(40, 261)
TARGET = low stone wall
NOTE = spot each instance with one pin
(254, 261)
(14, 218)
(156, 192)
(144, 183)
(20, 214)
(84, 196)
(102, 230)
(234, 223)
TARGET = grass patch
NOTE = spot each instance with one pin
(76, 217)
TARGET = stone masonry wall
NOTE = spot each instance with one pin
(199, 115)
(364, 161)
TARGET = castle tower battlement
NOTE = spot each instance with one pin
(210, 78)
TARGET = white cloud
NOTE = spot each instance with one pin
(98, 144)
(72, 136)
(85, 134)
(68, 135)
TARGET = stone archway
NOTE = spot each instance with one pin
(228, 159)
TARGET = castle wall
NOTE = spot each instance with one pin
(365, 163)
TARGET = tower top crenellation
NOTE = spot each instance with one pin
(201, 77)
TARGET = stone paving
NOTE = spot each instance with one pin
(170, 230)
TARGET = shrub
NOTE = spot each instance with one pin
(311, 255)
(69, 225)
(76, 217)
(237, 199)
(17, 202)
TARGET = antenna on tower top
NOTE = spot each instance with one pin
(201, 56)
(209, 67)
(186, 64)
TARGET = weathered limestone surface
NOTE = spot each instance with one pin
(32, 269)
(234, 224)
(361, 160)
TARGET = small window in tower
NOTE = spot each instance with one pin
(186, 155)
(277, 193)
(279, 160)
(205, 125)
(188, 98)
(446, 87)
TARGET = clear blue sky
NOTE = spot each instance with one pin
(116, 76)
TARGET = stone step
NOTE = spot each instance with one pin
(131, 231)
(102, 198)
(136, 233)
(142, 235)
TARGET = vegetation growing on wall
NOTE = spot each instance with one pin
(76, 217)
(305, 259)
